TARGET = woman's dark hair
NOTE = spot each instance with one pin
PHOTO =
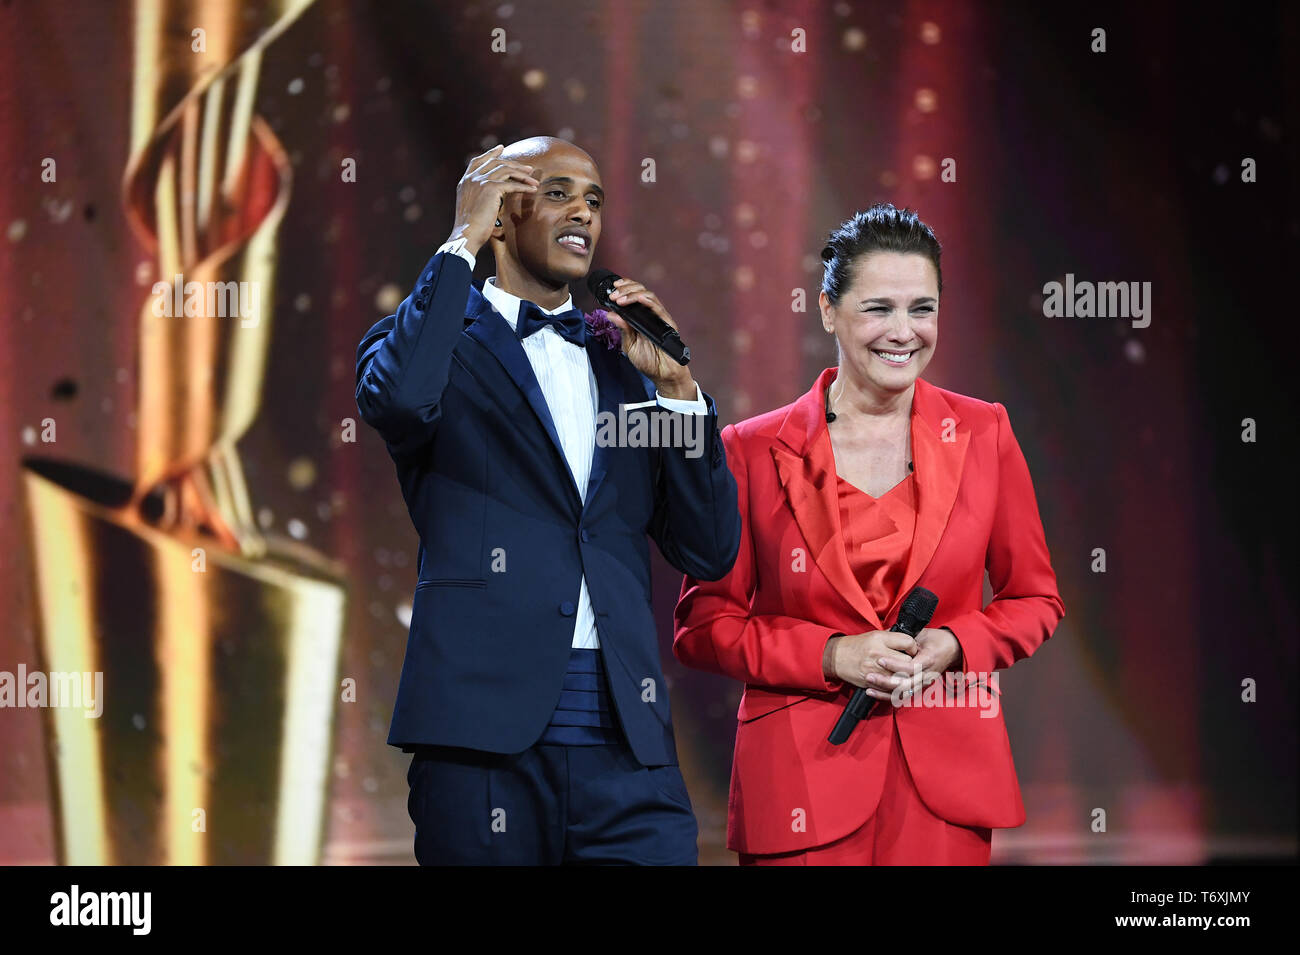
(882, 228)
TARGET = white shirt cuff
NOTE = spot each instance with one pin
(459, 249)
(684, 405)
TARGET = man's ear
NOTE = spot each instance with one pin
(499, 230)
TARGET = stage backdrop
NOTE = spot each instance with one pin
(186, 508)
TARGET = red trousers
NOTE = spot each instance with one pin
(900, 832)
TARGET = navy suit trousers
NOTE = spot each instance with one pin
(549, 805)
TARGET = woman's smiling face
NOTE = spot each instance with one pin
(887, 321)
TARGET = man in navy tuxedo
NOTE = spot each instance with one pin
(532, 694)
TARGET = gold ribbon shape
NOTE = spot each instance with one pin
(217, 646)
(205, 189)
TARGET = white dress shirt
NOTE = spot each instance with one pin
(568, 385)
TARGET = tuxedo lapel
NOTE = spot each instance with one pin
(494, 333)
(609, 390)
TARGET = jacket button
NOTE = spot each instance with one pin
(585, 536)
(567, 608)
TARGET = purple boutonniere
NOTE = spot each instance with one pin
(601, 328)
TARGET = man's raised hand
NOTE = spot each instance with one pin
(481, 195)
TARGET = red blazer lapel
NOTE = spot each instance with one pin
(938, 453)
(805, 465)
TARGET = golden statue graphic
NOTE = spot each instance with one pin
(218, 644)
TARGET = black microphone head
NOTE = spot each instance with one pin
(918, 607)
(600, 282)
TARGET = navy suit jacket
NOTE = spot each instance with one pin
(504, 536)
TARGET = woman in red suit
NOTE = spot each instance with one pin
(871, 484)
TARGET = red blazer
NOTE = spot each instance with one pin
(767, 622)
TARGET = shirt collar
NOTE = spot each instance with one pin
(508, 305)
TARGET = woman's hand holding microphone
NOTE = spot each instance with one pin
(880, 661)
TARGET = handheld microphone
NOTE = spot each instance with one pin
(918, 607)
(641, 317)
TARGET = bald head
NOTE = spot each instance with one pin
(536, 147)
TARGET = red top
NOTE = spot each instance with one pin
(877, 535)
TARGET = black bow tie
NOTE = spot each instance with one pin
(570, 324)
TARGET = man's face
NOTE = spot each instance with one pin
(556, 228)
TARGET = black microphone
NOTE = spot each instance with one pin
(918, 607)
(640, 317)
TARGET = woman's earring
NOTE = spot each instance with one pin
(498, 222)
